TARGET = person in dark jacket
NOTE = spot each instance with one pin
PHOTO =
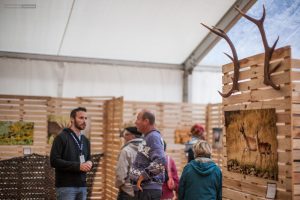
(201, 178)
(197, 133)
(70, 156)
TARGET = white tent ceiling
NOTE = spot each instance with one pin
(143, 50)
(134, 30)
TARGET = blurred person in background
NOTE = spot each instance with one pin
(197, 133)
(172, 181)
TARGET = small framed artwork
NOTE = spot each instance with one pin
(16, 133)
(217, 138)
(182, 135)
(271, 191)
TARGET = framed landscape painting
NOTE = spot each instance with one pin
(16, 133)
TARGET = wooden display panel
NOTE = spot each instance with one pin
(254, 94)
(107, 118)
(169, 117)
(36, 109)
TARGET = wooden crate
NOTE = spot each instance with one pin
(255, 95)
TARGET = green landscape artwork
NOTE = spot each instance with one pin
(16, 133)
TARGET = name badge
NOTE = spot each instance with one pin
(81, 158)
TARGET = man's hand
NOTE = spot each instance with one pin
(138, 184)
(86, 166)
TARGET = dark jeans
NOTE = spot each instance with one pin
(148, 195)
(71, 193)
(124, 196)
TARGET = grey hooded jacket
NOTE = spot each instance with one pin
(126, 158)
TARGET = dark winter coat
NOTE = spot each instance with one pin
(64, 157)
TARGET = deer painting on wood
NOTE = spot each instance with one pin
(251, 142)
(264, 152)
(268, 53)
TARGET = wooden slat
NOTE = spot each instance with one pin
(283, 52)
(295, 63)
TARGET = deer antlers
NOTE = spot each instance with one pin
(268, 50)
(235, 60)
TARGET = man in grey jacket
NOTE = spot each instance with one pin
(126, 158)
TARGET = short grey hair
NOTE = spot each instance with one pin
(202, 149)
(147, 114)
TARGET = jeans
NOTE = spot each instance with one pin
(124, 196)
(71, 193)
(149, 194)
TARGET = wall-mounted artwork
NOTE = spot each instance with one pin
(56, 123)
(16, 133)
(251, 142)
(182, 135)
(217, 138)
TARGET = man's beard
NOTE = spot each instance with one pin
(79, 126)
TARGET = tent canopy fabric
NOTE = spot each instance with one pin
(136, 49)
(146, 31)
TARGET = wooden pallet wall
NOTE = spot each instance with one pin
(169, 117)
(295, 74)
(36, 109)
(255, 95)
(108, 117)
(214, 120)
(27, 109)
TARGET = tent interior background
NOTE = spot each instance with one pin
(139, 50)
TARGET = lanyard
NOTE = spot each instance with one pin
(78, 142)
